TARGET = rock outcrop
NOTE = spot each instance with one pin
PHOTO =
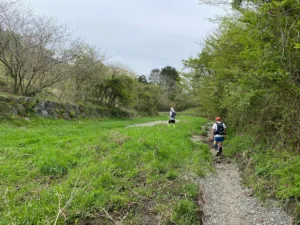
(26, 106)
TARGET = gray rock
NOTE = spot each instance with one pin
(37, 109)
(42, 104)
(77, 108)
(66, 116)
(51, 105)
(51, 111)
(78, 112)
(7, 109)
(81, 109)
(21, 109)
(14, 111)
(54, 115)
(45, 113)
(67, 107)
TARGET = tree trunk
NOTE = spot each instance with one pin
(15, 87)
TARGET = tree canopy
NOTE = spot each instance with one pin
(248, 70)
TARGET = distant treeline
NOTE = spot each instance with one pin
(39, 57)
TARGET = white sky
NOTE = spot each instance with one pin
(140, 34)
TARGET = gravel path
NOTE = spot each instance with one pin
(228, 202)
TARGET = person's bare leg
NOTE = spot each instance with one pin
(220, 148)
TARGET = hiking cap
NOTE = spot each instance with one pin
(218, 119)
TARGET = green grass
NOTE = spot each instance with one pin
(85, 170)
(192, 111)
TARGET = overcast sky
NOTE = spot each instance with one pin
(140, 34)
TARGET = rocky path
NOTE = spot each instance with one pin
(228, 202)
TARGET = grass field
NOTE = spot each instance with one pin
(71, 172)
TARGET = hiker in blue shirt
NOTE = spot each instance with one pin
(172, 117)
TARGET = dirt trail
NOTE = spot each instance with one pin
(228, 202)
(150, 124)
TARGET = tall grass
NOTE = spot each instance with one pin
(58, 172)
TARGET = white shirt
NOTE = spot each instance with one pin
(215, 127)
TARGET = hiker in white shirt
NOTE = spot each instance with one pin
(219, 134)
(172, 117)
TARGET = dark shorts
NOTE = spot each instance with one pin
(171, 121)
(219, 139)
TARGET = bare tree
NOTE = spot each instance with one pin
(87, 68)
(33, 49)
